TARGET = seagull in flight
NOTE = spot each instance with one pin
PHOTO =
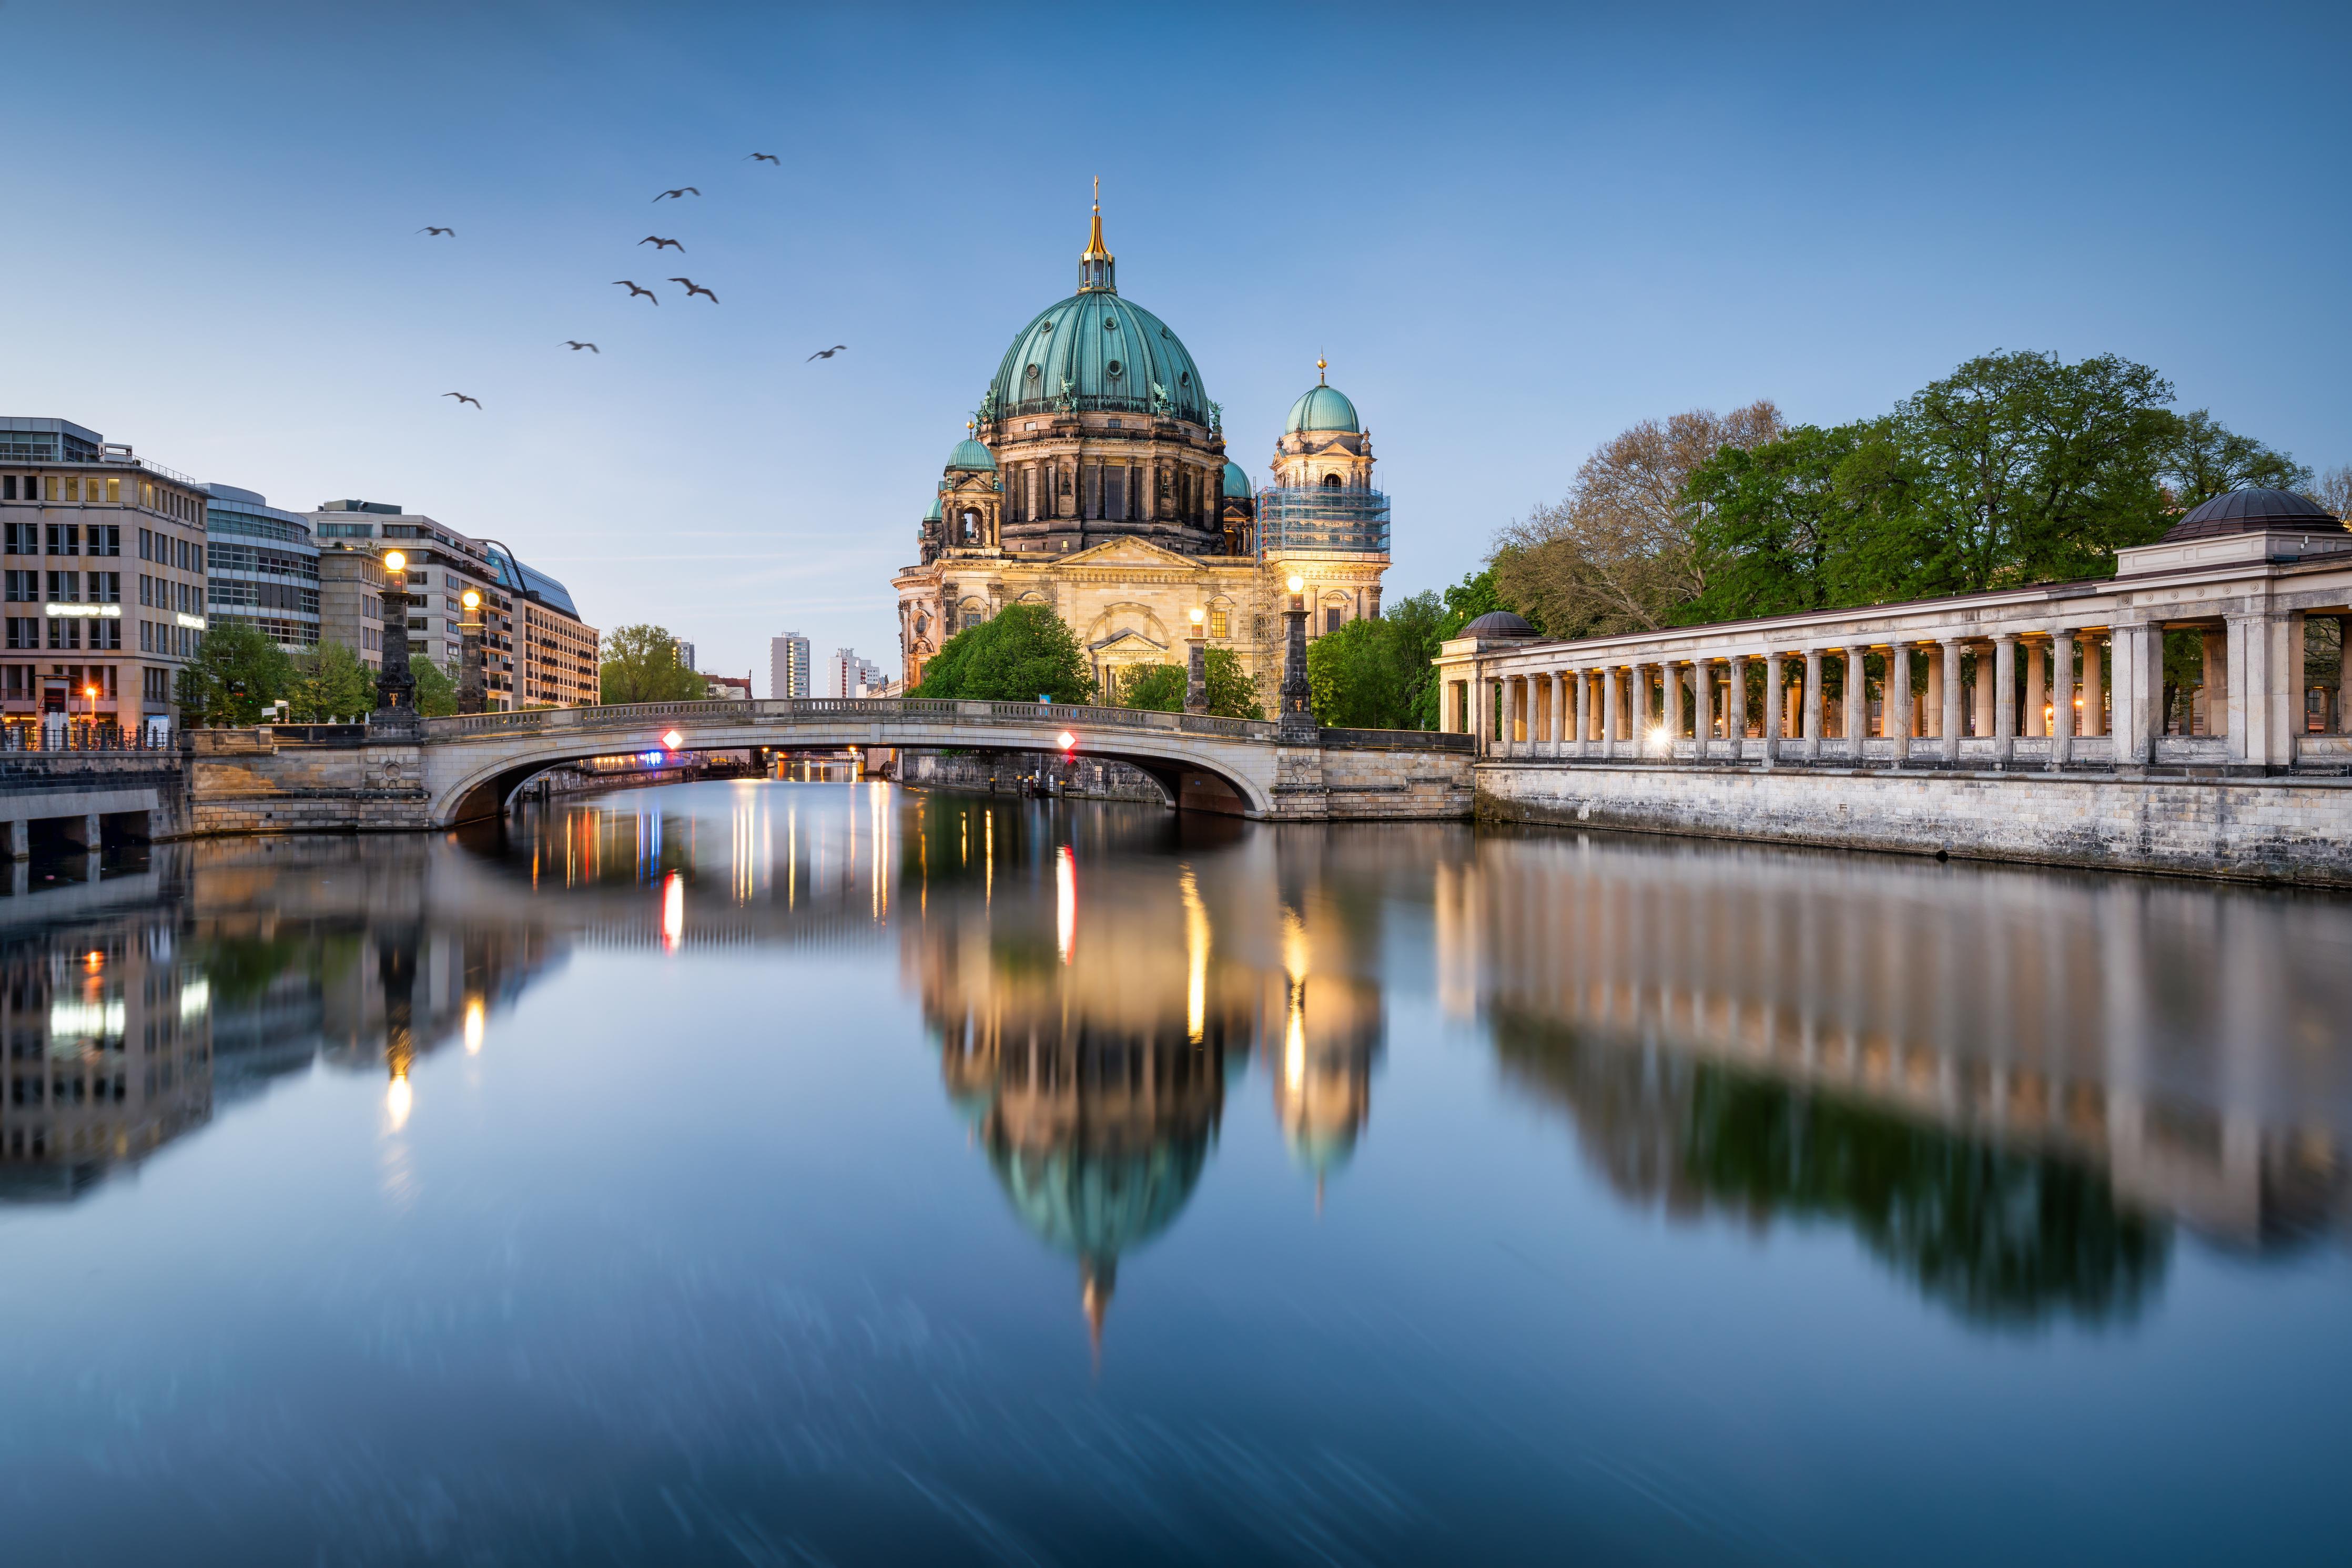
(681, 192)
(461, 397)
(576, 347)
(767, 158)
(429, 229)
(693, 288)
(660, 243)
(826, 353)
(634, 292)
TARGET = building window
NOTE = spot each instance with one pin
(24, 539)
(1217, 623)
(65, 633)
(114, 492)
(23, 588)
(106, 538)
(1331, 618)
(24, 633)
(64, 539)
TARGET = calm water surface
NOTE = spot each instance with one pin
(820, 1174)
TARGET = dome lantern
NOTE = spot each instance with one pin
(1097, 269)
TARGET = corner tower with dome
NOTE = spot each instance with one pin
(1092, 479)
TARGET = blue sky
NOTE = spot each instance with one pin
(1514, 232)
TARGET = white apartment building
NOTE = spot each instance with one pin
(788, 665)
(847, 675)
(442, 564)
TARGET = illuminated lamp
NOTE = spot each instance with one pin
(395, 561)
(1066, 741)
(1298, 583)
(672, 740)
(472, 598)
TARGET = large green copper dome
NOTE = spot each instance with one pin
(1096, 352)
(1237, 485)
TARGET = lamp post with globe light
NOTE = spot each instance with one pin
(469, 634)
(396, 684)
(1296, 724)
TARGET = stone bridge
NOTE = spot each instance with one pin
(330, 777)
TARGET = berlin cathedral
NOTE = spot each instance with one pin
(1094, 480)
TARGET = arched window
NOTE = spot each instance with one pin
(971, 527)
(1330, 481)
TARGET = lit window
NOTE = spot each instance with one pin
(1217, 623)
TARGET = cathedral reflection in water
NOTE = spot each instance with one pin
(2012, 1088)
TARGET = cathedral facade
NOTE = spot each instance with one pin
(1093, 479)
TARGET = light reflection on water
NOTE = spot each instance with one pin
(1986, 1196)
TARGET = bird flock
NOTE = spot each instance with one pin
(660, 243)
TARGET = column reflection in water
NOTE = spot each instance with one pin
(2010, 1085)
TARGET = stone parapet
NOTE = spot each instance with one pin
(2265, 829)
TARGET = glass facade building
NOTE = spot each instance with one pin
(263, 568)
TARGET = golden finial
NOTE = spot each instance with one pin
(1095, 249)
(1320, 366)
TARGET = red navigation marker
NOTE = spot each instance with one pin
(1066, 741)
(671, 739)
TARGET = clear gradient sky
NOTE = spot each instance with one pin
(1513, 232)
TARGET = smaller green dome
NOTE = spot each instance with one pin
(1237, 485)
(1321, 408)
(933, 515)
(971, 453)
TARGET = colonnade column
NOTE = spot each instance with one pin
(1857, 701)
(2004, 700)
(1985, 723)
(1951, 646)
(2061, 696)
(1561, 705)
(1735, 707)
(2265, 659)
(1672, 675)
(2213, 695)
(1894, 701)
(1813, 703)
(1583, 712)
(1931, 708)
(1609, 710)
(1704, 701)
(1775, 707)
(2343, 668)
(2139, 693)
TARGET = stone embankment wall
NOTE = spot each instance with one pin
(240, 781)
(2269, 829)
(1328, 784)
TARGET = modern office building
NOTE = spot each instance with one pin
(788, 665)
(105, 579)
(262, 567)
(684, 652)
(555, 650)
(351, 601)
(442, 563)
(847, 675)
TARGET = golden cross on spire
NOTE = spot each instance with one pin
(1320, 366)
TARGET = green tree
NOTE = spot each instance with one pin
(1159, 687)
(2201, 458)
(2032, 470)
(236, 675)
(1814, 519)
(330, 682)
(639, 666)
(1377, 674)
(1024, 653)
(436, 689)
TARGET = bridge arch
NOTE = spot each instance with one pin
(474, 764)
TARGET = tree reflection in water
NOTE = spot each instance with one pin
(2004, 1236)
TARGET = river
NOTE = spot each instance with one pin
(829, 1173)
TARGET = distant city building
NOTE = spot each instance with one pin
(555, 650)
(262, 568)
(350, 601)
(847, 675)
(442, 564)
(788, 665)
(95, 537)
(684, 652)
(727, 687)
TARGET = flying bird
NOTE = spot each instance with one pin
(461, 397)
(660, 243)
(576, 347)
(681, 191)
(826, 353)
(693, 288)
(429, 229)
(634, 292)
(767, 158)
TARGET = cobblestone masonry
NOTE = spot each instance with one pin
(2269, 829)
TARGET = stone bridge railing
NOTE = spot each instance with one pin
(783, 710)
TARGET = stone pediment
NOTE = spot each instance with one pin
(1128, 640)
(1129, 552)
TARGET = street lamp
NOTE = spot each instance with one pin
(396, 684)
(1296, 723)
(469, 657)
